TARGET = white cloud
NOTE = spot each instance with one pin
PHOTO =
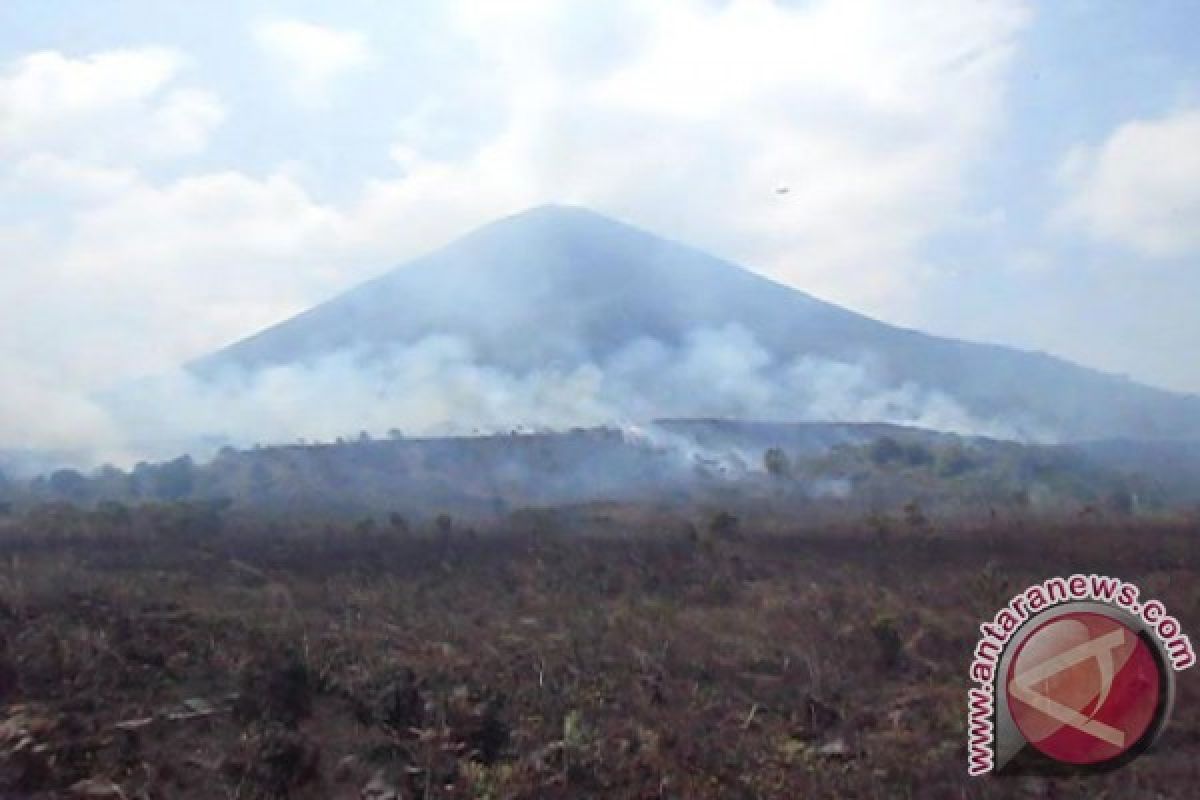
(128, 276)
(1140, 188)
(311, 57)
(870, 112)
(117, 105)
(184, 120)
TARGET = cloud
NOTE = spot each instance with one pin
(112, 106)
(869, 112)
(1140, 188)
(311, 57)
(134, 275)
(684, 121)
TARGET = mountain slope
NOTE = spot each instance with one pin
(556, 287)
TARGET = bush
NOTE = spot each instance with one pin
(885, 450)
(917, 455)
(113, 513)
(914, 517)
(1122, 501)
(277, 687)
(888, 641)
(725, 525)
(954, 462)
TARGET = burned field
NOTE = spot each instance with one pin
(672, 656)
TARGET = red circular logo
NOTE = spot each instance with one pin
(1083, 688)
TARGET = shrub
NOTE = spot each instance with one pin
(725, 525)
(277, 687)
(887, 640)
(954, 462)
(885, 450)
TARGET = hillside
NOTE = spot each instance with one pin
(811, 470)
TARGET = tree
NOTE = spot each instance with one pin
(260, 481)
(6, 491)
(68, 483)
(777, 463)
(174, 479)
(140, 479)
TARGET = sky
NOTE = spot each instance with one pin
(177, 175)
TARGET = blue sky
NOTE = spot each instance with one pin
(1083, 71)
(175, 175)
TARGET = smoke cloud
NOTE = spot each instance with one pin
(439, 386)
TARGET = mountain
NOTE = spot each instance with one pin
(676, 332)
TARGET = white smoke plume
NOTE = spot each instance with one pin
(438, 386)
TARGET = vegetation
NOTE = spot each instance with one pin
(186, 650)
(849, 469)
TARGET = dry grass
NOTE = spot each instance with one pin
(529, 663)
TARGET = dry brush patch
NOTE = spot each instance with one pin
(655, 661)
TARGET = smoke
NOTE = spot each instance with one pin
(440, 386)
(689, 455)
(44, 424)
(832, 488)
